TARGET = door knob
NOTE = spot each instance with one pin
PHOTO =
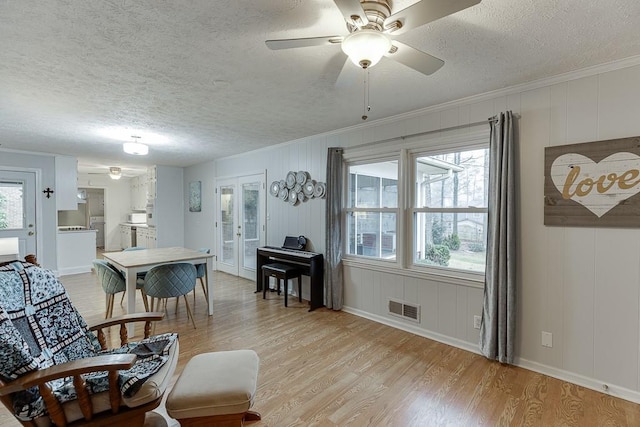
(238, 234)
(31, 233)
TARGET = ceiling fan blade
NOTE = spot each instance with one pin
(423, 12)
(352, 12)
(414, 58)
(311, 41)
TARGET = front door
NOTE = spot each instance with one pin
(240, 224)
(18, 209)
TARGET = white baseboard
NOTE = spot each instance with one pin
(561, 374)
(74, 270)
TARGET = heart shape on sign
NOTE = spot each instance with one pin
(600, 186)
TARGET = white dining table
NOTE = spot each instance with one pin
(133, 262)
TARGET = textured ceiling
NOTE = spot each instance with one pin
(196, 81)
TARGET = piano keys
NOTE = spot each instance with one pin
(310, 263)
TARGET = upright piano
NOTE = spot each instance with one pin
(310, 263)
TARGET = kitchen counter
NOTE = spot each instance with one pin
(76, 251)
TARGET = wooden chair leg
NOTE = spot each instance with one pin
(122, 299)
(109, 309)
(144, 300)
(189, 314)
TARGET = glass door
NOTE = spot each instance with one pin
(18, 209)
(241, 224)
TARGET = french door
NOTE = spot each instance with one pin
(240, 224)
(18, 209)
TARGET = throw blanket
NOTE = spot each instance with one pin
(40, 327)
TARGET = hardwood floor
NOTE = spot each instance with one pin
(328, 368)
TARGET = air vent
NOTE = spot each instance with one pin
(404, 310)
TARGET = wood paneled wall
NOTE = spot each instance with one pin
(580, 284)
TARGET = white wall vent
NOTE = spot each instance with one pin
(404, 310)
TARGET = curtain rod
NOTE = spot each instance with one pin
(403, 137)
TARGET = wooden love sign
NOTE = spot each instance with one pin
(593, 184)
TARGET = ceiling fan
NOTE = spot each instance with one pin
(371, 25)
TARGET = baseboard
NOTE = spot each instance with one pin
(560, 374)
(464, 345)
(581, 380)
(74, 270)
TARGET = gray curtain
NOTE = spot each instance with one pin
(497, 332)
(333, 243)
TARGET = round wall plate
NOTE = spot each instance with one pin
(275, 188)
(291, 179)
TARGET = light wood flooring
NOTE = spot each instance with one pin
(328, 368)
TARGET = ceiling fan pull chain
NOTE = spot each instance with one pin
(365, 104)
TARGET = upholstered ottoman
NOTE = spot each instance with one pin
(216, 389)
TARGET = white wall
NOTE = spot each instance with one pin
(199, 227)
(580, 284)
(117, 200)
(169, 206)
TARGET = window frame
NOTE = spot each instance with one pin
(347, 210)
(413, 211)
(404, 152)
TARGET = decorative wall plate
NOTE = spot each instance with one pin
(301, 177)
(308, 188)
(283, 194)
(275, 188)
(291, 179)
(301, 197)
(298, 188)
(318, 190)
(293, 197)
(283, 184)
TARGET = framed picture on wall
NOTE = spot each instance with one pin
(195, 196)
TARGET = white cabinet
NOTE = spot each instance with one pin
(151, 238)
(76, 251)
(125, 236)
(146, 237)
(66, 183)
(151, 182)
(139, 192)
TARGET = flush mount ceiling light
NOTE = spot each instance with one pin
(115, 172)
(366, 47)
(135, 148)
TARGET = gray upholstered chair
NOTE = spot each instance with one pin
(112, 282)
(171, 281)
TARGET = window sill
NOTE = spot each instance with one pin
(454, 277)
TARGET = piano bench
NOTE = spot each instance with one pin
(281, 272)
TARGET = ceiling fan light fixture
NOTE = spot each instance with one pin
(135, 148)
(115, 172)
(366, 47)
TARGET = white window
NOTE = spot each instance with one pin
(421, 205)
(372, 209)
(450, 209)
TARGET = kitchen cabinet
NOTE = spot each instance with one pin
(76, 251)
(151, 182)
(66, 183)
(126, 236)
(139, 192)
(146, 237)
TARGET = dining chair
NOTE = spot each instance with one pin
(171, 281)
(112, 282)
